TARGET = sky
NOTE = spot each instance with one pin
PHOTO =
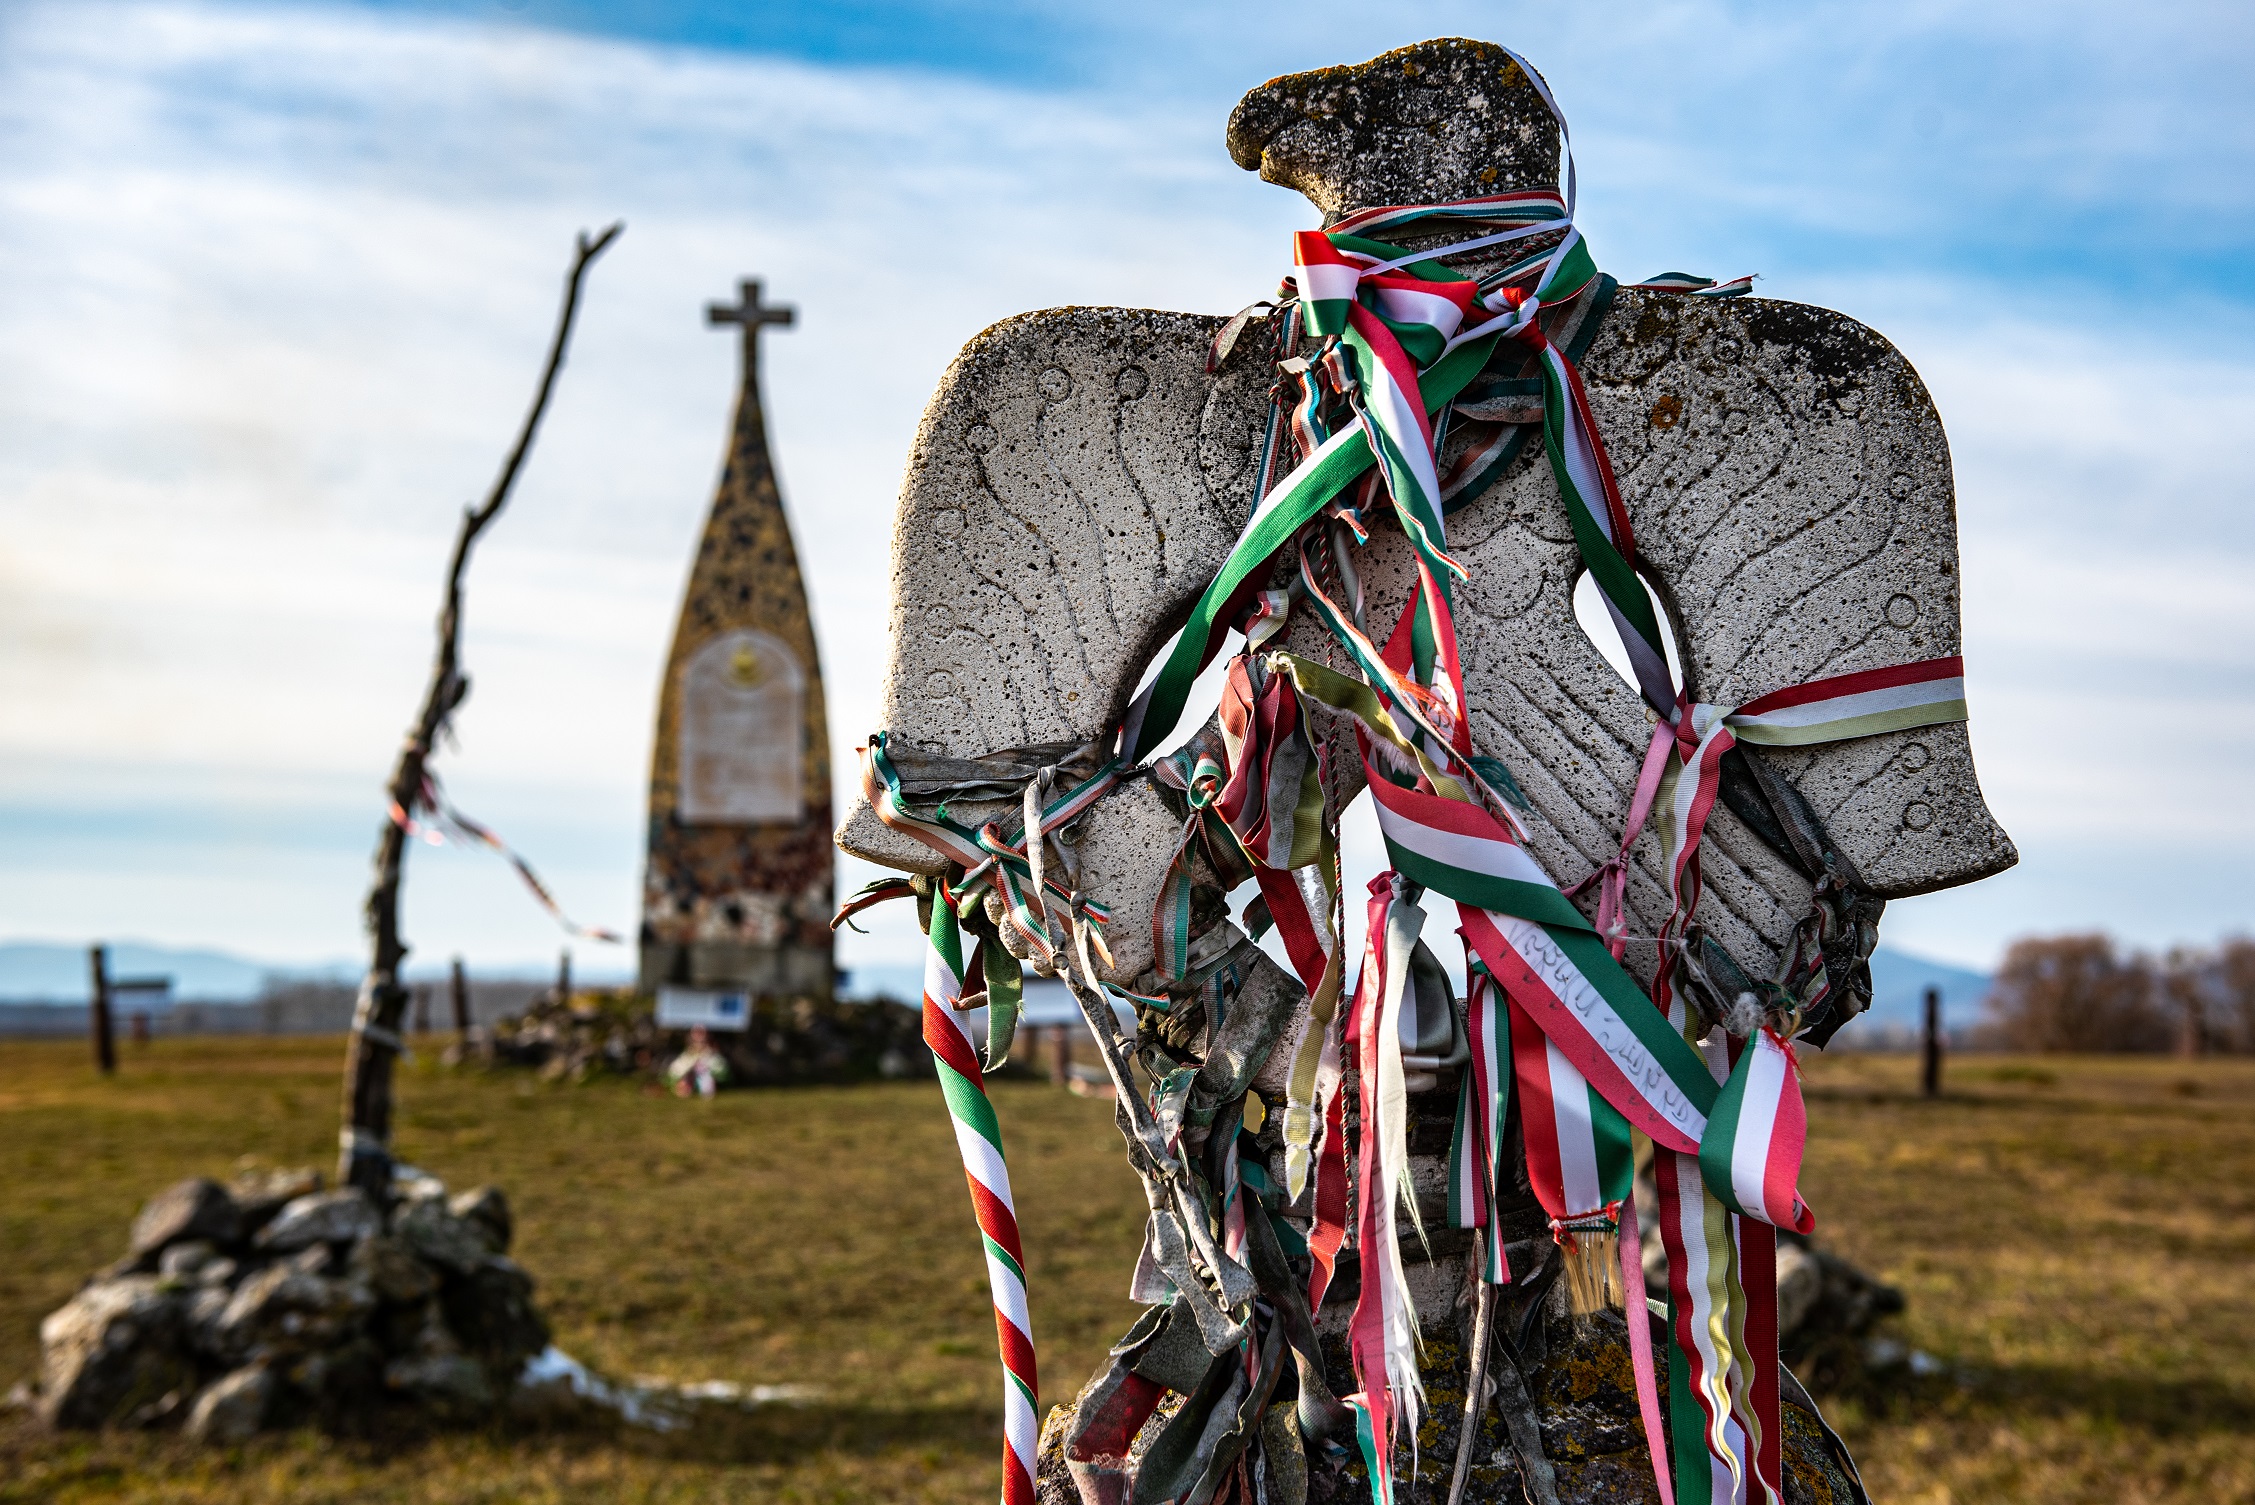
(278, 277)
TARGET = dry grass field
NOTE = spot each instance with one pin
(2074, 1236)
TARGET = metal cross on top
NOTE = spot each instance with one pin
(752, 314)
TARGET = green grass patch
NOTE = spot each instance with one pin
(2073, 1236)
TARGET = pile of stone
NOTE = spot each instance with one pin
(272, 1303)
(808, 1040)
(787, 1040)
(574, 1038)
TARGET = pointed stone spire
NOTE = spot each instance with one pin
(737, 892)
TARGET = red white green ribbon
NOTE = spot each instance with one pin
(1578, 1155)
(1041, 910)
(1382, 1335)
(978, 1137)
(1483, 1101)
(433, 802)
(1751, 1155)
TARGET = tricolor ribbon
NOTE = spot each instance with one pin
(432, 801)
(978, 1137)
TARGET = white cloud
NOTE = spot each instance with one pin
(278, 285)
(282, 282)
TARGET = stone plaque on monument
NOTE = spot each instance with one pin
(736, 895)
(743, 701)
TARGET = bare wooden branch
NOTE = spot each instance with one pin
(364, 1158)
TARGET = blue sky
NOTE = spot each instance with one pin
(279, 274)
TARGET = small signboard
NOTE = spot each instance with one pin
(140, 995)
(681, 1008)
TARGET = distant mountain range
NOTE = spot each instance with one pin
(56, 972)
(1899, 981)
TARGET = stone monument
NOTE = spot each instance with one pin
(1079, 479)
(737, 891)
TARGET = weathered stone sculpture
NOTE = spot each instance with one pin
(1081, 475)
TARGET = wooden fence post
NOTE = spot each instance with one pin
(98, 1016)
(1931, 1065)
(461, 1001)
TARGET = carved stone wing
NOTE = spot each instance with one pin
(1077, 480)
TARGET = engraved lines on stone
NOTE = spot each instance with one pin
(1739, 538)
(1581, 720)
(1056, 387)
(1026, 581)
(1741, 881)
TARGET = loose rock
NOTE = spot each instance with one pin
(493, 1312)
(388, 1267)
(487, 1210)
(260, 1194)
(280, 1304)
(111, 1352)
(432, 1230)
(197, 1208)
(286, 1309)
(330, 1217)
(232, 1408)
(181, 1261)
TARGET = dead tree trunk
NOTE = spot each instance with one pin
(364, 1159)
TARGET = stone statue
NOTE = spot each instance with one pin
(1080, 476)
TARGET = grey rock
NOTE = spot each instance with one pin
(113, 1351)
(338, 1380)
(432, 1230)
(200, 1315)
(218, 1272)
(328, 1217)
(432, 1369)
(1800, 1284)
(313, 1259)
(262, 1194)
(285, 1309)
(413, 1184)
(388, 1267)
(195, 1209)
(186, 1261)
(233, 1407)
(452, 1384)
(486, 1209)
(491, 1311)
